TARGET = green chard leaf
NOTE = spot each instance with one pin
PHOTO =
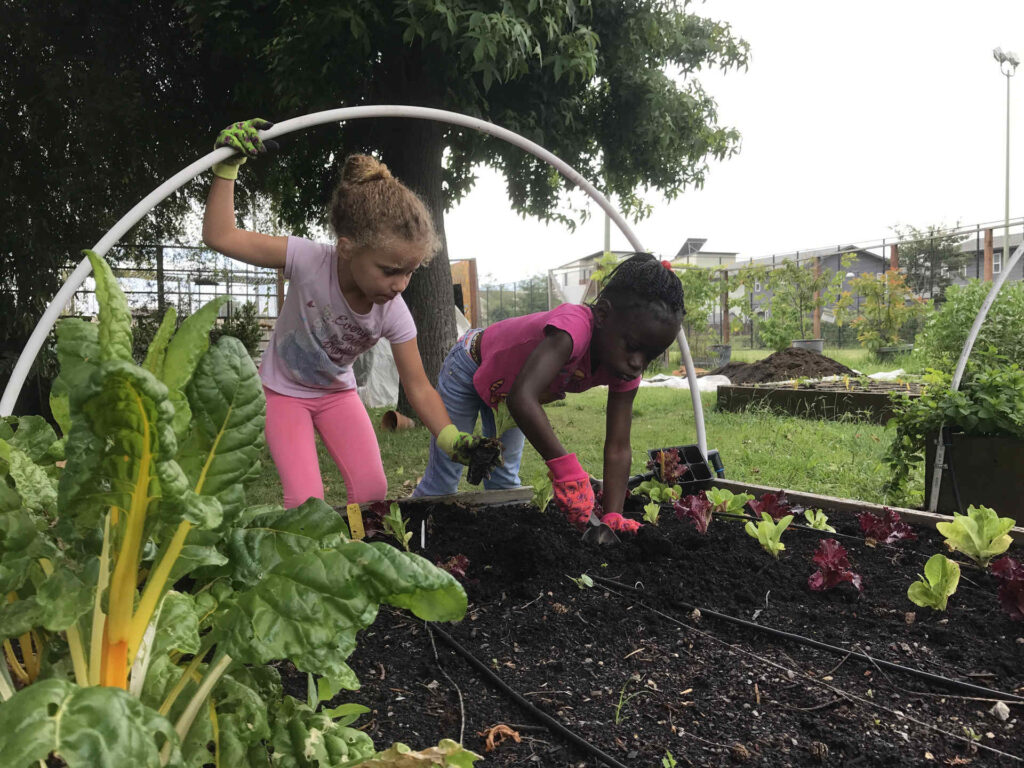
(78, 351)
(304, 738)
(154, 362)
(190, 343)
(86, 727)
(115, 329)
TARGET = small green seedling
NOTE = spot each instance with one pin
(726, 502)
(658, 492)
(625, 698)
(394, 524)
(651, 512)
(941, 576)
(818, 520)
(769, 533)
(583, 581)
(980, 534)
(668, 761)
(542, 491)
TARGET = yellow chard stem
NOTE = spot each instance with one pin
(31, 668)
(155, 587)
(12, 660)
(99, 619)
(179, 686)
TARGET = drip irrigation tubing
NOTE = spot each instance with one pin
(947, 682)
(525, 703)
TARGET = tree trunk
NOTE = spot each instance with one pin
(413, 151)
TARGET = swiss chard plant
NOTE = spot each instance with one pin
(940, 580)
(1010, 574)
(833, 567)
(725, 502)
(146, 598)
(775, 504)
(659, 492)
(696, 508)
(885, 528)
(818, 520)
(980, 534)
(768, 533)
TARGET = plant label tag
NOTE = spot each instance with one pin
(355, 521)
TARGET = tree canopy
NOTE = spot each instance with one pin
(131, 93)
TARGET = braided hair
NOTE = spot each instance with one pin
(644, 282)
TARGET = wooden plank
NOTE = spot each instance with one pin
(476, 498)
(917, 516)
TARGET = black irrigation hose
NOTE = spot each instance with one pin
(978, 690)
(528, 705)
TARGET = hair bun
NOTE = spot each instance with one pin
(359, 169)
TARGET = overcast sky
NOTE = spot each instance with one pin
(855, 117)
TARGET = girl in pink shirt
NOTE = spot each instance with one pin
(342, 298)
(524, 362)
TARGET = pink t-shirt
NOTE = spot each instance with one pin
(317, 334)
(506, 345)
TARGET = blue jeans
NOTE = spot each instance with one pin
(455, 385)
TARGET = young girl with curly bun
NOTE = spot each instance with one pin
(342, 297)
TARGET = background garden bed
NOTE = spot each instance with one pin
(819, 400)
(630, 667)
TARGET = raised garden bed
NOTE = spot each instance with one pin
(870, 400)
(630, 667)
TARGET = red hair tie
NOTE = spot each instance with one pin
(667, 265)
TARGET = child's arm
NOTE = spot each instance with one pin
(618, 455)
(219, 230)
(422, 396)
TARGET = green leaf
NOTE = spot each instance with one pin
(980, 534)
(115, 331)
(37, 489)
(228, 412)
(190, 343)
(78, 351)
(302, 738)
(58, 602)
(87, 727)
(310, 606)
(36, 438)
(278, 534)
(154, 362)
(178, 628)
(940, 580)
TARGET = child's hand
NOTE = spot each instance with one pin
(573, 493)
(458, 445)
(621, 524)
(243, 137)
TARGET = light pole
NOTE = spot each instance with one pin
(1008, 62)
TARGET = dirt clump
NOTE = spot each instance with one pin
(485, 457)
(790, 363)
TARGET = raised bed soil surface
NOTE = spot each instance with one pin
(638, 665)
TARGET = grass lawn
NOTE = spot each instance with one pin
(835, 458)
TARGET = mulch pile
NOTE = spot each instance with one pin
(791, 363)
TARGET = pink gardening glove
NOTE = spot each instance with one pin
(621, 524)
(571, 486)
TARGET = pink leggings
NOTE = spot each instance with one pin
(343, 425)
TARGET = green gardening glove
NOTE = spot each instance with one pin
(458, 445)
(243, 137)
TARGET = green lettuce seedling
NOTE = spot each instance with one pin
(659, 492)
(726, 502)
(941, 576)
(394, 524)
(542, 491)
(980, 534)
(651, 512)
(769, 533)
(818, 520)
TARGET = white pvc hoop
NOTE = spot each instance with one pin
(115, 233)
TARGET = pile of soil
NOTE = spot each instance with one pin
(791, 363)
(628, 664)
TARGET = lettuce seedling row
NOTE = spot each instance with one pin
(635, 660)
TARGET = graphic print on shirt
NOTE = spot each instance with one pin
(335, 343)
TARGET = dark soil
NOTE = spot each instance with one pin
(791, 363)
(485, 457)
(632, 668)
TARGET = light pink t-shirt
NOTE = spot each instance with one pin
(317, 334)
(506, 345)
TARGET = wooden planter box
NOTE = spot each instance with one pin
(811, 402)
(989, 471)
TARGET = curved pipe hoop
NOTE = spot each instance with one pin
(144, 206)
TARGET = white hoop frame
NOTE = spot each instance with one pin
(75, 280)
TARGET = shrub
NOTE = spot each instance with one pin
(946, 330)
(244, 324)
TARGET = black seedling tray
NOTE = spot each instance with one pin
(699, 475)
